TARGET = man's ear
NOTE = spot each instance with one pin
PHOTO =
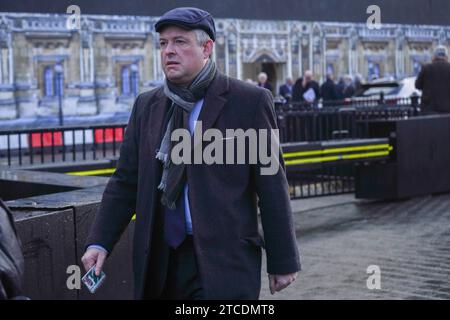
(208, 48)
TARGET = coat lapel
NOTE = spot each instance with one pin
(213, 103)
(156, 121)
(211, 109)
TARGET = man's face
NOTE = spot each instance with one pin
(262, 78)
(308, 77)
(181, 56)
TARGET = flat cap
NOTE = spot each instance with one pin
(188, 18)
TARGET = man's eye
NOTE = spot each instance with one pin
(179, 41)
(162, 44)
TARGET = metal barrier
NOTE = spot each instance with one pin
(59, 144)
(28, 147)
(381, 101)
(334, 122)
(328, 168)
(307, 124)
(323, 181)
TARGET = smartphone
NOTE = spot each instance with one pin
(92, 281)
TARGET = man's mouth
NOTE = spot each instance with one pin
(172, 63)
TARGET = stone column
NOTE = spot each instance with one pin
(232, 54)
(289, 53)
(238, 57)
(317, 51)
(300, 57)
(399, 54)
(227, 57)
(8, 108)
(87, 102)
(352, 54)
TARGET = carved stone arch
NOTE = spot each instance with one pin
(230, 27)
(263, 55)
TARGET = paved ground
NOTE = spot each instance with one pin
(339, 237)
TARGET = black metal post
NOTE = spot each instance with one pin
(415, 103)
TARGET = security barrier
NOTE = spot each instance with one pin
(419, 164)
(53, 226)
(72, 143)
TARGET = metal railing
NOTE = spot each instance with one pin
(334, 122)
(59, 144)
(380, 101)
(296, 123)
(326, 180)
(331, 120)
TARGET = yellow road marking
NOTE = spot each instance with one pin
(339, 157)
(91, 172)
(335, 150)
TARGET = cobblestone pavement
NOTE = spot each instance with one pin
(339, 237)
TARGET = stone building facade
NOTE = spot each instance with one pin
(101, 66)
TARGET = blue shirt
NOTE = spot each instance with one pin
(193, 116)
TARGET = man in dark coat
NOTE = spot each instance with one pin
(263, 82)
(196, 233)
(349, 88)
(434, 81)
(286, 89)
(304, 86)
(340, 86)
(328, 91)
(11, 257)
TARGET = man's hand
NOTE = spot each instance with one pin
(278, 282)
(94, 256)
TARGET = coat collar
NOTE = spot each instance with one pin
(156, 119)
(214, 101)
(212, 107)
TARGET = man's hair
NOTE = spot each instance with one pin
(440, 53)
(262, 75)
(202, 36)
(308, 73)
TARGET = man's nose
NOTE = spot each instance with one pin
(169, 49)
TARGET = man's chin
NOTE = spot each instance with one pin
(176, 79)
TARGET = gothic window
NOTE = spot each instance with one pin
(129, 79)
(125, 75)
(52, 84)
(330, 68)
(374, 70)
(48, 82)
(416, 67)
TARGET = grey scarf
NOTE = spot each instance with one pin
(183, 101)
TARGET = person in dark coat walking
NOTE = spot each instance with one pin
(434, 81)
(340, 86)
(11, 258)
(263, 83)
(286, 89)
(349, 89)
(306, 89)
(328, 91)
(196, 231)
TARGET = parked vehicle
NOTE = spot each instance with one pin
(391, 91)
